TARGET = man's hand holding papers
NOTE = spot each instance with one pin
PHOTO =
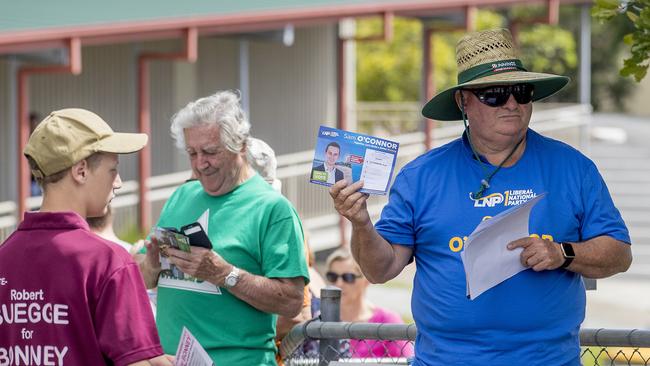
(538, 254)
(486, 257)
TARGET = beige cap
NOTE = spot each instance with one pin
(70, 135)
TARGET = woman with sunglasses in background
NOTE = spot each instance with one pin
(344, 273)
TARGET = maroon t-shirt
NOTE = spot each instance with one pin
(68, 297)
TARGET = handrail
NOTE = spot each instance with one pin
(615, 337)
(393, 332)
(291, 167)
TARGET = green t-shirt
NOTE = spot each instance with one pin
(253, 228)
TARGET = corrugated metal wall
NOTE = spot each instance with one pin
(7, 134)
(218, 65)
(107, 86)
(292, 91)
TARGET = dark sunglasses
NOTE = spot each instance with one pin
(496, 96)
(347, 277)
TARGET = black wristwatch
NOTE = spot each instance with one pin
(568, 254)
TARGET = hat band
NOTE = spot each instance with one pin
(483, 70)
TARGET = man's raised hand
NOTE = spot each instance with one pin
(349, 202)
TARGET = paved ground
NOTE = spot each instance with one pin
(622, 301)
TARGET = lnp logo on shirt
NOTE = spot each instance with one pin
(487, 201)
(511, 197)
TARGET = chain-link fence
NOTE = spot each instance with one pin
(328, 341)
(319, 343)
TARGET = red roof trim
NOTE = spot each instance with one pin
(237, 22)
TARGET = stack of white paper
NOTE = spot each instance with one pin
(486, 258)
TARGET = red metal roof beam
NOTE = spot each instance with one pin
(387, 30)
(72, 66)
(190, 54)
(553, 15)
(429, 81)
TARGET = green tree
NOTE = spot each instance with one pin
(392, 71)
(638, 13)
(389, 71)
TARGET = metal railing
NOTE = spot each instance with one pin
(566, 122)
(598, 346)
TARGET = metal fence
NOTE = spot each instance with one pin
(327, 341)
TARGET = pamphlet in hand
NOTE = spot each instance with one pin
(190, 352)
(486, 259)
(344, 155)
(172, 276)
(169, 237)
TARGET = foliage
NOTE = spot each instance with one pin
(606, 54)
(608, 89)
(131, 234)
(638, 13)
(392, 71)
(558, 57)
(389, 71)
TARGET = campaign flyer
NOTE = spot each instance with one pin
(353, 156)
(190, 352)
(172, 276)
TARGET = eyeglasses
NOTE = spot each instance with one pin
(496, 96)
(347, 277)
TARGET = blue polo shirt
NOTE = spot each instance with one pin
(532, 318)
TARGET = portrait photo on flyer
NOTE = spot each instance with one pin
(344, 155)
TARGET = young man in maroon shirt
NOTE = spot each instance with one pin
(67, 296)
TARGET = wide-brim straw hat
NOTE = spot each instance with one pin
(489, 58)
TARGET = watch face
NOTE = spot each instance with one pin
(231, 281)
(232, 278)
(567, 250)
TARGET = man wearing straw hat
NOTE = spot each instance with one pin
(438, 199)
(68, 296)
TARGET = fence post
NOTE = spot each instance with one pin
(330, 311)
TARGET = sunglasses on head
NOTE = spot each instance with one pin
(346, 277)
(498, 95)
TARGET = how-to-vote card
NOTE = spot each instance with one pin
(353, 156)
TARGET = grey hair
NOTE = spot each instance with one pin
(261, 157)
(222, 109)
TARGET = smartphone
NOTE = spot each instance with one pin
(198, 237)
